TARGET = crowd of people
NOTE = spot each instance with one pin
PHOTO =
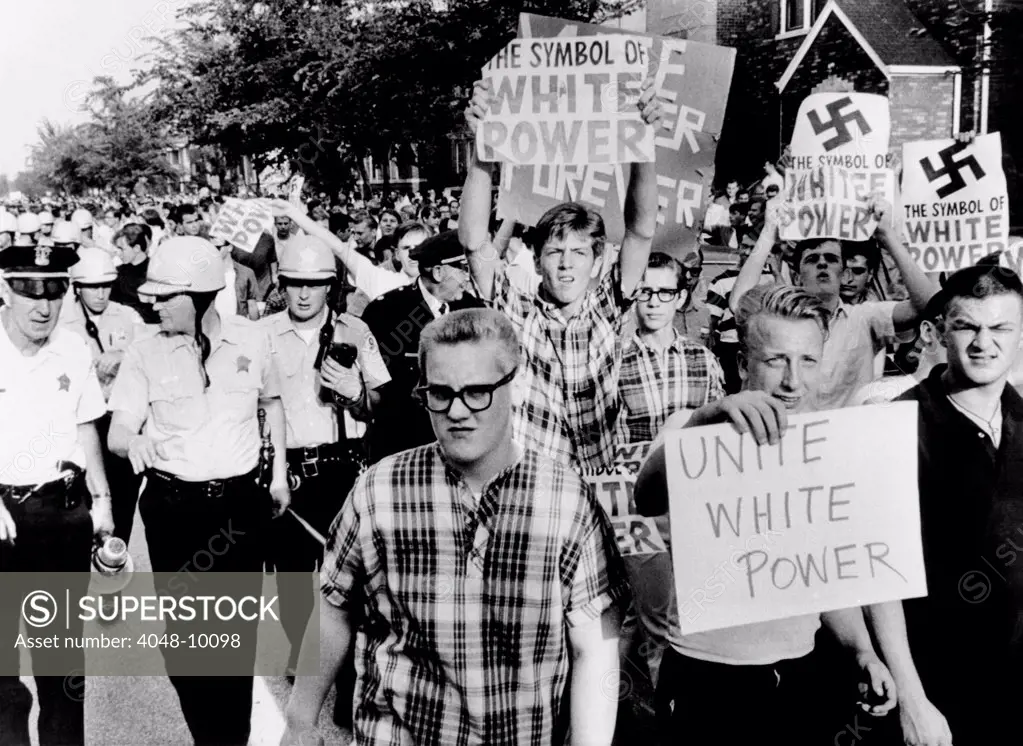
(437, 385)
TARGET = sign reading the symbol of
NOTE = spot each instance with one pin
(828, 518)
(692, 80)
(839, 156)
(574, 101)
(955, 203)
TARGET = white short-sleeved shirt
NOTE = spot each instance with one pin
(43, 400)
(311, 420)
(203, 434)
(856, 335)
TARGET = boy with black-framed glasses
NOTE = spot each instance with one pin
(486, 571)
(662, 372)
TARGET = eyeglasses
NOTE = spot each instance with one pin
(39, 288)
(153, 299)
(477, 398)
(664, 296)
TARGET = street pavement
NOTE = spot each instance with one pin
(144, 710)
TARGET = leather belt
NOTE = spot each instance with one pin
(68, 496)
(305, 461)
(213, 489)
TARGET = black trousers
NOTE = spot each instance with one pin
(713, 704)
(323, 487)
(124, 484)
(51, 537)
(191, 532)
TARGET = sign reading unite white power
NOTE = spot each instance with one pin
(839, 156)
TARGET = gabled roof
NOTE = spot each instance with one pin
(886, 30)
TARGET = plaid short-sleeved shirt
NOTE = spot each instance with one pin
(654, 385)
(465, 605)
(566, 396)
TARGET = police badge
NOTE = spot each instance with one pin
(42, 256)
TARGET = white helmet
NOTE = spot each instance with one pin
(82, 218)
(45, 217)
(65, 232)
(28, 223)
(307, 258)
(184, 264)
(8, 222)
(94, 267)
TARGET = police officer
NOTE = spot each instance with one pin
(82, 219)
(185, 412)
(396, 320)
(46, 221)
(108, 328)
(50, 400)
(325, 411)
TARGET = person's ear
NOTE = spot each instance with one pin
(6, 294)
(742, 362)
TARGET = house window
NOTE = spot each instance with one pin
(799, 15)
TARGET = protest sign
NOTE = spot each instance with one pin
(635, 534)
(955, 202)
(567, 101)
(826, 519)
(839, 156)
(242, 221)
(692, 80)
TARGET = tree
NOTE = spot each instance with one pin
(321, 85)
(118, 145)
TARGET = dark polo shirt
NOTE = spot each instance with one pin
(965, 635)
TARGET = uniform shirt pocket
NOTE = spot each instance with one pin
(177, 408)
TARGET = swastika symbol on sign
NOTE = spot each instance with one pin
(951, 168)
(838, 122)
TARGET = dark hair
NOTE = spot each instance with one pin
(338, 222)
(569, 217)
(739, 207)
(389, 211)
(135, 235)
(428, 212)
(868, 249)
(979, 282)
(187, 209)
(809, 244)
(660, 260)
(152, 217)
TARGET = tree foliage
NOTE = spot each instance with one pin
(320, 85)
(119, 144)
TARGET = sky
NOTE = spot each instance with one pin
(51, 51)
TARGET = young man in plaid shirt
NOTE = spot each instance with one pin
(662, 372)
(567, 395)
(485, 575)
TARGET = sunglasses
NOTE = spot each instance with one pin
(39, 288)
(152, 299)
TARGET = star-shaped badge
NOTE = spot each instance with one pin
(64, 382)
(243, 364)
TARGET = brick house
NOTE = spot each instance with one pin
(929, 57)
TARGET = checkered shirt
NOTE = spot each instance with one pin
(566, 394)
(465, 605)
(654, 385)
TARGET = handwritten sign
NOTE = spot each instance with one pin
(692, 81)
(568, 101)
(242, 221)
(827, 519)
(955, 203)
(839, 156)
(635, 534)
